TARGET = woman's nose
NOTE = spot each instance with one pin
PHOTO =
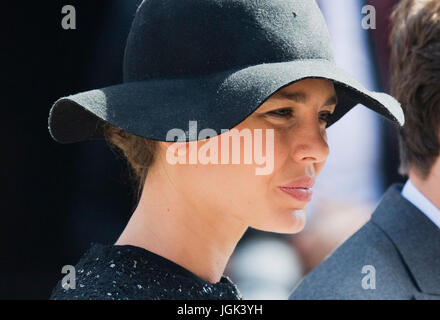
(309, 143)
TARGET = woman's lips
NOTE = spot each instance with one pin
(300, 194)
(300, 189)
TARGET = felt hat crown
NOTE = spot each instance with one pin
(212, 61)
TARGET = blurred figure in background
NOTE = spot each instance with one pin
(396, 255)
(266, 267)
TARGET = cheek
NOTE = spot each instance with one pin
(282, 151)
(237, 187)
(281, 148)
(233, 187)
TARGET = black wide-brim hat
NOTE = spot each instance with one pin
(214, 62)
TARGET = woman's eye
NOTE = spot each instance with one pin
(325, 116)
(281, 113)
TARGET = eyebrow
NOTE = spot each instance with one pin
(301, 97)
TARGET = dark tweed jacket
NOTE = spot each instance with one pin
(399, 241)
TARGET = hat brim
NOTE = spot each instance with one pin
(218, 101)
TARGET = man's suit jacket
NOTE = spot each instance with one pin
(402, 245)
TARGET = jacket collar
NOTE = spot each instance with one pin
(415, 236)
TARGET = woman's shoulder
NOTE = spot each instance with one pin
(128, 272)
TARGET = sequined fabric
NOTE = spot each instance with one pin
(110, 272)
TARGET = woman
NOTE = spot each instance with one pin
(263, 68)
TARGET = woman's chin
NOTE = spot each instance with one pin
(290, 223)
(296, 223)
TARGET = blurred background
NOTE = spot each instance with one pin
(57, 199)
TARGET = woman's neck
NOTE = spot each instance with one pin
(168, 224)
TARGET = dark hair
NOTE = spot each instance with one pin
(415, 81)
(138, 151)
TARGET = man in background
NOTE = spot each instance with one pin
(396, 255)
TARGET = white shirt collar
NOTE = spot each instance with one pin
(413, 195)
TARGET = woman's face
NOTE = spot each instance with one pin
(296, 118)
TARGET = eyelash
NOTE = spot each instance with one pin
(327, 115)
(287, 113)
(283, 114)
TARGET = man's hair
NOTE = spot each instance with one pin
(415, 81)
